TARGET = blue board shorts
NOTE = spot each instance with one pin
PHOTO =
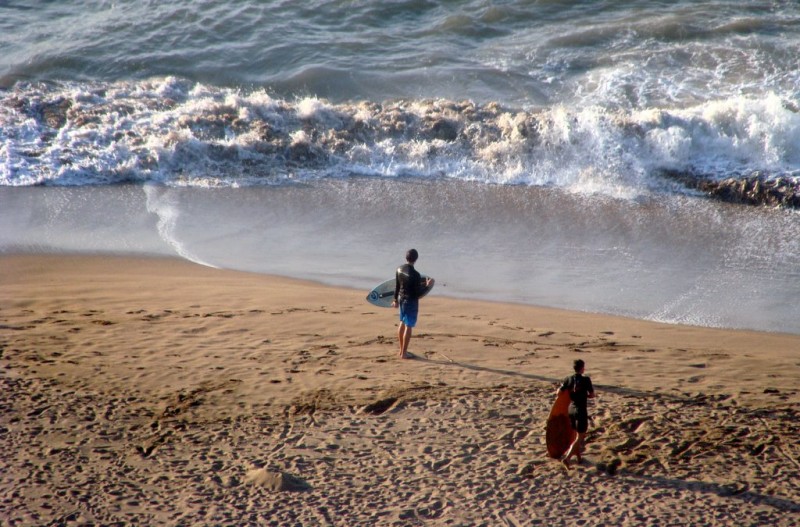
(408, 312)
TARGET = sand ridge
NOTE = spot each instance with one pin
(140, 391)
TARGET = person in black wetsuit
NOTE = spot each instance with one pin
(581, 390)
(408, 286)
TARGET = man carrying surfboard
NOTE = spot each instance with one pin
(580, 391)
(409, 286)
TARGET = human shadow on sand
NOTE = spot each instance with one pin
(551, 380)
(734, 491)
(740, 492)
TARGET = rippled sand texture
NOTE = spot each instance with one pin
(158, 392)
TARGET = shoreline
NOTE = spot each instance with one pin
(171, 385)
(684, 261)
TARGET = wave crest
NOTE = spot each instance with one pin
(174, 132)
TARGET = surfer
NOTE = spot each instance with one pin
(581, 390)
(408, 287)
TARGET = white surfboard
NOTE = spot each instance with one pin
(383, 294)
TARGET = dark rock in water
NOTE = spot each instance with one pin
(756, 189)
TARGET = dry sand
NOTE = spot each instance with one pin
(157, 392)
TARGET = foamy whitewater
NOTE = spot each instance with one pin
(549, 153)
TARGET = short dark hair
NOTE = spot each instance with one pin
(578, 365)
(412, 255)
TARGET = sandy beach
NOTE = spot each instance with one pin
(157, 392)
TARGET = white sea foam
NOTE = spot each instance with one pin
(203, 136)
(160, 202)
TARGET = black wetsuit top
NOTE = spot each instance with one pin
(580, 387)
(408, 283)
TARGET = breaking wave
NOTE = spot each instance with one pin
(175, 132)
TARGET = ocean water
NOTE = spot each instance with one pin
(527, 149)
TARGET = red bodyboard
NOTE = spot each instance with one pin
(559, 434)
